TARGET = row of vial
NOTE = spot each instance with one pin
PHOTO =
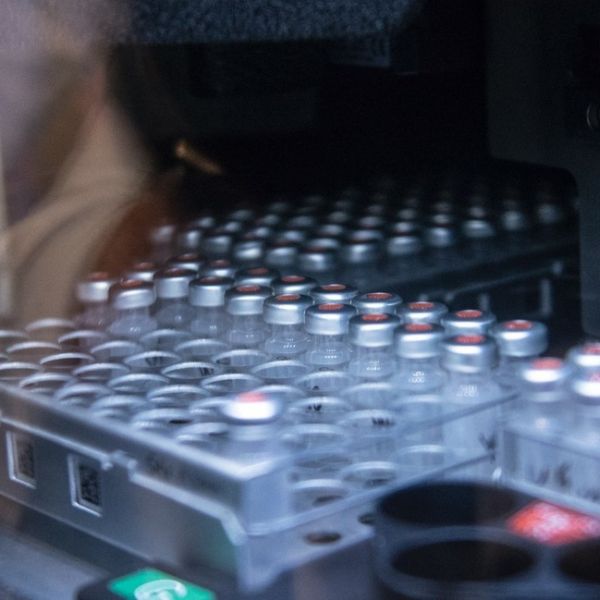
(551, 439)
(330, 326)
(318, 233)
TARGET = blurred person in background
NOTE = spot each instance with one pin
(74, 170)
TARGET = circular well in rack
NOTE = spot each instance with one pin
(449, 503)
(463, 560)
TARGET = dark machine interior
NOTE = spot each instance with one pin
(240, 105)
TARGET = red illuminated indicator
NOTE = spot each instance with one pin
(379, 296)
(469, 314)
(547, 363)
(248, 288)
(293, 279)
(251, 397)
(258, 271)
(375, 317)
(330, 307)
(416, 327)
(592, 349)
(469, 339)
(553, 525)
(287, 297)
(518, 325)
(420, 305)
(333, 287)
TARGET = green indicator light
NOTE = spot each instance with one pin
(152, 584)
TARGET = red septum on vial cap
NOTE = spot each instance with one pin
(420, 305)
(418, 327)
(287, 297)
(591, 349)
(519, 325)
(375, 317)
(97, 276)
(219, 262)
(188, 256)
(547, 363)
(212, 279)
(293, 278)
(130, 284)
(258, 271)
(144, 265)
(334, 287)
(379, 296)
(247, 289)
(330, 307)
(469, 339)
(175, 272)
(469, 314)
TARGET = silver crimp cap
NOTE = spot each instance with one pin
(544, 372)
(334, 292)
(256, 276)
(469, 321)
(293, 284)
(360, 251)
(132, 293)
(440, 236)
(468, 353)
(317, 259)
(422, 312)
(373, 330)
(521, 338)
(585, 356)
(286, 309)
(418, 340)
(173, 282)
(328, 318)
(144, 270)
(94, 288)
(404, 244)
(281, 254)
(187, 260)
(209, 291)
(220, 267)
(246, 299)
(377, 302)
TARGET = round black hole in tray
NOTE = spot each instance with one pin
(582, 562)
(322, 537)
(326, 499)
(463, 560)
(179, 421)
(367, 518)
(448, 504)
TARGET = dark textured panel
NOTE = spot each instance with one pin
(212, 20)
(199, 21)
